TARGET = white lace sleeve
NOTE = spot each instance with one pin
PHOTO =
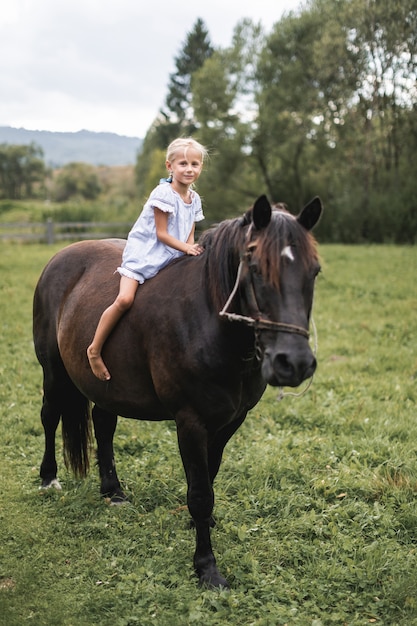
(162, 198)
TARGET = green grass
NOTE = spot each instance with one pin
(316, 500)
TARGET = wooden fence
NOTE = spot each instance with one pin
(50, 231)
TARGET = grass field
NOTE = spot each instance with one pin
(316, 500)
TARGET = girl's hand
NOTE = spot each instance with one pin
(194, 249)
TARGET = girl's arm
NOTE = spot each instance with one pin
(190, 239)
(188, 247)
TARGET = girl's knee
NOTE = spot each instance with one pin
(124, 301)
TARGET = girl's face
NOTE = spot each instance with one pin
(186, 168)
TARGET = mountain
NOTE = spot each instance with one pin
(84, 146)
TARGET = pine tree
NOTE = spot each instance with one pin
(196, 50)
(177, 119)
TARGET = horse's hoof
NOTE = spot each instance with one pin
(213, 581)
(47, 484)
(209, 576)
(117, 499)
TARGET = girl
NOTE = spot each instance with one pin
(163, 231)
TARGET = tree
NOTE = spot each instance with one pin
(222, 127)
(373, 185)
(213, 104)
(177, 118)
(76, 180)
(306, 79)
(325, 104)
(197, 49)
(20, 168)
(386, 129)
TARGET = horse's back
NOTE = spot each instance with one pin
(83, 254)
(77, 259)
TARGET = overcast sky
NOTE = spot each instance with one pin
(104, 65)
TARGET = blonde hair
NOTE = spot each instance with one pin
(183, 144)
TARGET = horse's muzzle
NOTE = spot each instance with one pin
(288, 369)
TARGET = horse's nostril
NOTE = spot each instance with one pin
(283, 364)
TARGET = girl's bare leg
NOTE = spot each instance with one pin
(107, 322)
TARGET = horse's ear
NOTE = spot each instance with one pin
(310, 215)
(261, 213)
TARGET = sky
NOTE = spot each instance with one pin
(104, 65)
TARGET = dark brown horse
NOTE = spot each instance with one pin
(179, 353)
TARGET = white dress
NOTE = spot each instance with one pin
(144, 255)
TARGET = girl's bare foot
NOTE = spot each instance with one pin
(97, 365)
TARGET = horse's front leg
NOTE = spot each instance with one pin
(218, 443)
(104, 428)
(193, 444)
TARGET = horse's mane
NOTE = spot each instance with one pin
(225, 242)
(222, 244)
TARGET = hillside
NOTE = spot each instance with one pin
(84, 146)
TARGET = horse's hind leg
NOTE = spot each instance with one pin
(104, 427)
(55, 380)
(62, 400)
(50, 416)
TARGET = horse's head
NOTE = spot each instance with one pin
(274, 289)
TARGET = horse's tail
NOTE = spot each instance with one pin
(77, 432)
